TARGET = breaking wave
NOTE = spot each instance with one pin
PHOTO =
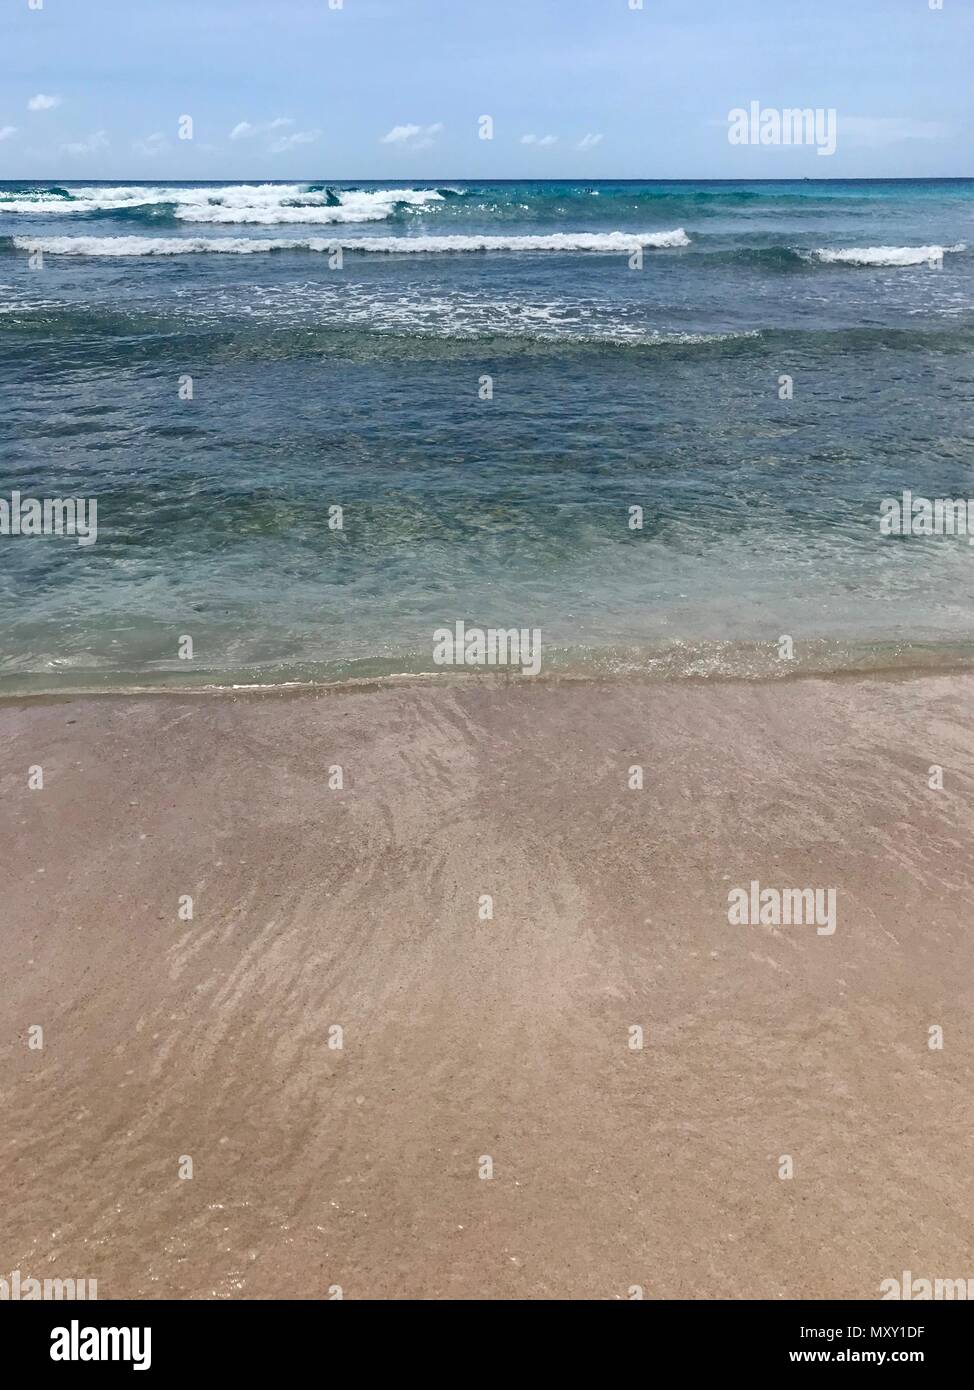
(606, 242)
(261, 204)
(882, 255)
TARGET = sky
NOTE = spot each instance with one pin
(396, 89)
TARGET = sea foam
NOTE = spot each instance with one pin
(882, 255)
(618, 242)
(261, 204)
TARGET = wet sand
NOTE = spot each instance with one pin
(313, 907)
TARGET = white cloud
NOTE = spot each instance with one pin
(6, 131)
(888, 130)
(288, 142)
(245, 130)
(399, 134)
(588, 142)
(96, 141)
(413, 137)
(151, 145)
(43, 103)
(539, 139)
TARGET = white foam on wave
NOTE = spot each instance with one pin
(883, 255)
(415, 310)
(412, 310)
(619, 242)
(268, 204)
(296, 206)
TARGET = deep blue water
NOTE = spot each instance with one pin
(614, 386)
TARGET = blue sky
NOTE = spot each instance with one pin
(293, 89)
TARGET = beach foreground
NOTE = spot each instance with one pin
(313, 907)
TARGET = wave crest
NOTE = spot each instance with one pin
(882, 255)
(606, 242)
(258, 204)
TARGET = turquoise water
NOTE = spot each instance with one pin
(317, 386)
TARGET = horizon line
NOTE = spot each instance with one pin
(464, 178)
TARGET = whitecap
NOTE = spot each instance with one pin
(606, 242)
(882, 255)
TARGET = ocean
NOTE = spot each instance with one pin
(655, 421)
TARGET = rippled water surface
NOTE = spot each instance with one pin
(635, 336)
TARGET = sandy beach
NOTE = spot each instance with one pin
(315, 907)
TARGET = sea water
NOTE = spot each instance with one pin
(655, 421)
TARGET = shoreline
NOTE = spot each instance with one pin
(785, 674)
(358, 906)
